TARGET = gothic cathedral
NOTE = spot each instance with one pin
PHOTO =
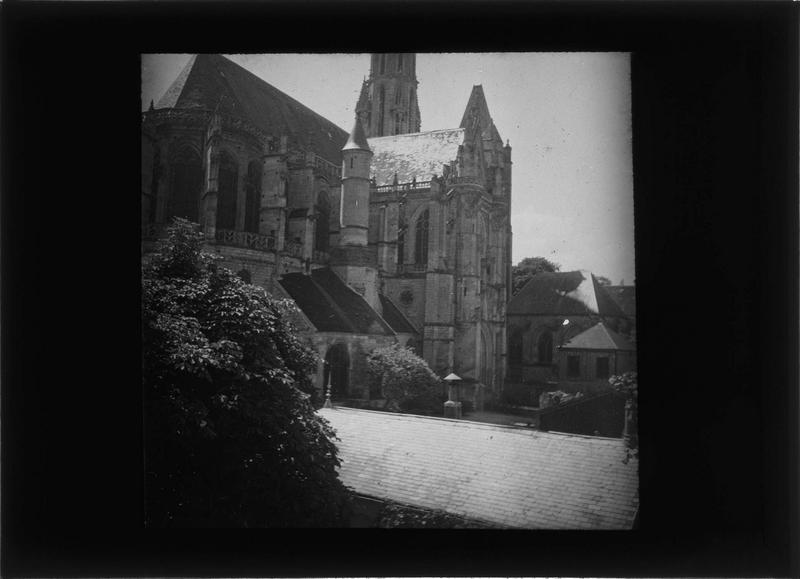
(383, 235)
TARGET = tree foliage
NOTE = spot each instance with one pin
(230, 437)
(406, 380)
(529, 267)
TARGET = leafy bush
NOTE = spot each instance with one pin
(230, 438)
(406, 380)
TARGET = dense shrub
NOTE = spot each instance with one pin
(406, 381)
(230, 438)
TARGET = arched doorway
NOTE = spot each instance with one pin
(337, 371)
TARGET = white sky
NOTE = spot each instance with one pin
(567, 117)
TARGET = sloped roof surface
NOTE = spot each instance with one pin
(503, 475)
(357, 138)
(625, 296)
(331, 305)
(419, 155)
(477, 102)
(395, 318)
(598, 337)
(563, 293)
(210, 81)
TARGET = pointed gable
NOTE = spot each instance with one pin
(563, 293)
(215, 83)
(478, 109)
(599, 337)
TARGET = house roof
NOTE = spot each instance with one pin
(598, 337)
(212, 82)
(507, 476)
(395, 318)
(413, 155)
(625, 296)
(331, 305)
(563, 293)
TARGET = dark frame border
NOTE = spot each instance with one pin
(715, 162)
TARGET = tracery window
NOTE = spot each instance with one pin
(228, 179)
(322, 230)
(381, 103)
(253, 197)
(421, 239)
(187, 174)
(545, 347)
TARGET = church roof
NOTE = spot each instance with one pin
(413, 155)
(213, 82)
(357, 138)
(331, 305)
(598, 337)
(503, 475)
(395, 318)
(625, 296)
(563, 293)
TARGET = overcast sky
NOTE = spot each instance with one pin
(567, 117)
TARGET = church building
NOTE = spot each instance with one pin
(382, 235)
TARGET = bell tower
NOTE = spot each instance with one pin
(388, 101)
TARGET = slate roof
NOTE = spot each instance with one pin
(625, 296)
(598, 337)
(411, 155)
(210, 80)
(564, 293)
(331, 305)
(395, 318)
(507, 476)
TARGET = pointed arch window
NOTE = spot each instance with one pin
(397, 123)
(187, 174)
(421, 238)
(156, 175)
(382, 60)
(322, 230)
(253, 197)
(381, 108)
(399, 63)
(226, 195)
(545, 347)
(401, 246)
(515, 347)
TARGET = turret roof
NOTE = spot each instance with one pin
(357, 139)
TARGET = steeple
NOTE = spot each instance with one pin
(388, 104)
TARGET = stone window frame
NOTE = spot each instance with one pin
(181, 152)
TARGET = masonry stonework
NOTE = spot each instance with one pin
(417, 218)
